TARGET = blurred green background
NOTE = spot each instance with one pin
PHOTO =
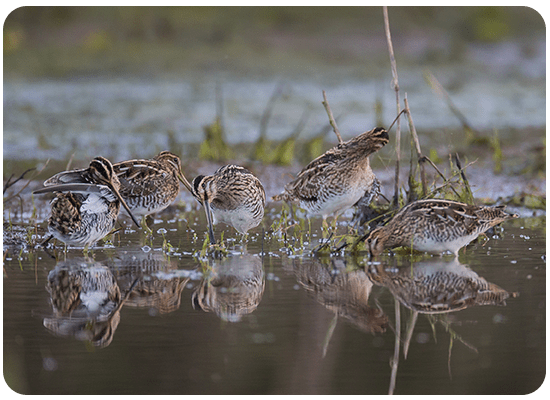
(64, 41)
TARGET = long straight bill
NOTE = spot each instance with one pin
(396, 118)
(117, 194)
(209, 221)
(185, 182)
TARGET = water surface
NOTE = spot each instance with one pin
(271, 318)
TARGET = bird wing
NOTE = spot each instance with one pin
(306, 186)
(139, 177)
(444, 213)
(73, 187)
(74, 176)
(308, 181)
(331, 157)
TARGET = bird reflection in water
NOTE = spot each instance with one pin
(231, 287)
(438, 286)
(159, 283)
(86, 301)
(435, 287)
(342, 288)
(345, 291)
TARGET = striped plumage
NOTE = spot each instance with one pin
(155, 278)
(233, 195)
(436, 226)
(338, 179)
(82, 288)
(86, 205)
(232, 288)
(86, 301)
(437, 286)
(149, 186)
(341, 288)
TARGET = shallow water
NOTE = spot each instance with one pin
(271, 318)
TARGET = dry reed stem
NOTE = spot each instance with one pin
(301, 123)
(421, 159)
(331, 118)
(464, 179)
(426, 158)
(269, 109)
(410, 330)
(448, 181)
(219, 104)
(395, 84)
(69, 163)
(10, 183)
(26, 184)
(438, 88)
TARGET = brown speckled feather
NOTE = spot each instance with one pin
(336, 180)
(149, 186)
(86, 205)
(438, 287)
(234, 195)
(436, 225)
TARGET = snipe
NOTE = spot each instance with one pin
(338, 179)
(149, 186)
(436, 226)
(86, 205)
(233, 195)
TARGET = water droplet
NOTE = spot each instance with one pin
(49, 364)
(423, 338)
(271, 277)
(499, 319)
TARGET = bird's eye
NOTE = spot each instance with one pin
(369, 240)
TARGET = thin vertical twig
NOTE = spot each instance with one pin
(394, 361)
(464, 179)
(449, 358)
(259, 151)
(219, 104)
(331, 118)
(440, 90)
(69, 163)
(410, 330)
(330, 331)
(421, 160)
(269, 108)
(395, 85)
